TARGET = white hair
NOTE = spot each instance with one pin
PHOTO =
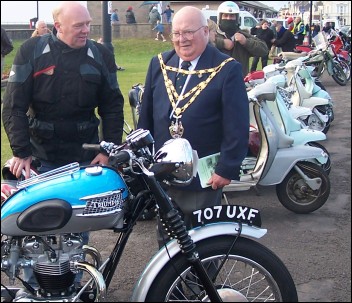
(38, 22)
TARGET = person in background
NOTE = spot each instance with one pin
(214, 119)
(213, 27)
(40, 29)
(327, 28)
(159, 28)
(114, 18)
(130, 18)
(273, 27)
(299, 30)
(6, 48)
(284, 39)
(233, 41)
(316, 29)
(263, 32)
(290, 23)
(154, 16)
(168, 12)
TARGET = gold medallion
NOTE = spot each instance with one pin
(176, 129)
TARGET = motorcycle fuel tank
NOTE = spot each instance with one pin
(86, 199)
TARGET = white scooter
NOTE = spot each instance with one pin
(307, 93)
(293, 128)
(302, 186)
(306, 101)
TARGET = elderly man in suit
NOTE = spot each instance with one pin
(211, 109)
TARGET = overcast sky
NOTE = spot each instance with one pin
(276, 4)
(22, 11)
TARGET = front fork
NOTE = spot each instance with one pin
(314, 183)
(178, 228)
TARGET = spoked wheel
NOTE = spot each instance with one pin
(339, 75)
(346, 68)
(251, 272)
(296, 195)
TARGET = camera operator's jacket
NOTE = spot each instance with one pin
(254, 47)
(51, 97)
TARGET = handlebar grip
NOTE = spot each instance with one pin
(122, 156)
(95, 147)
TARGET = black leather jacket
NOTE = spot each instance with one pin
(51, 98)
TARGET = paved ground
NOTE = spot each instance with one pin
(315, 247)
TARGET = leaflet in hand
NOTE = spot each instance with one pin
(206, 167)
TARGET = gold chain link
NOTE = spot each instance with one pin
(170, 88)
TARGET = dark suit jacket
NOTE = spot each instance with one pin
(218, 119)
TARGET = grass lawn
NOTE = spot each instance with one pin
(132, 54)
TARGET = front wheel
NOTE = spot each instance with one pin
(338, 74)
(296, 195)
(251, 272)
(346, 68)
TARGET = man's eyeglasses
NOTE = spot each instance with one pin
(187, 35)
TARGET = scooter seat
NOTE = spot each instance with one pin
(291, 55)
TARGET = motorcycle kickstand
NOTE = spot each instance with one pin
(257, 190)
(225, 199)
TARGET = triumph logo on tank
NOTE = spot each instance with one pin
(103, 203)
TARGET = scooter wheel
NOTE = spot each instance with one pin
(296, 195)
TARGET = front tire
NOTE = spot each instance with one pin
(339, 75)
(296, 195)
(346, 69)
(251, 272)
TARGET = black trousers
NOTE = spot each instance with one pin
(187, 202)
(256, 61)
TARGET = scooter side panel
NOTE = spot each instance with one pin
(284, 161)
(314, 101)
(303, 136)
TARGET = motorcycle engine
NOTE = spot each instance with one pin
(50, 258)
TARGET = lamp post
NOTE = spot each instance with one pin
(310, 21)
(106, 26)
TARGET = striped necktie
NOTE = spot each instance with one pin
(181, 78)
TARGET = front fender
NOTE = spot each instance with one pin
(161, 258)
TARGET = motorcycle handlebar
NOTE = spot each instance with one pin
(123, 156)
(115, 156)
(95, 147)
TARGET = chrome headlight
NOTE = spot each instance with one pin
(177, 152)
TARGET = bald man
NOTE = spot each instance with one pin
(61, 81)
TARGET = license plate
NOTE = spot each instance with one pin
(227, 213)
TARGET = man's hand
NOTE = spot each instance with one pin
(240, 38)
(18, 164)
(217, 181)
(228, 44)
(100, 159)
